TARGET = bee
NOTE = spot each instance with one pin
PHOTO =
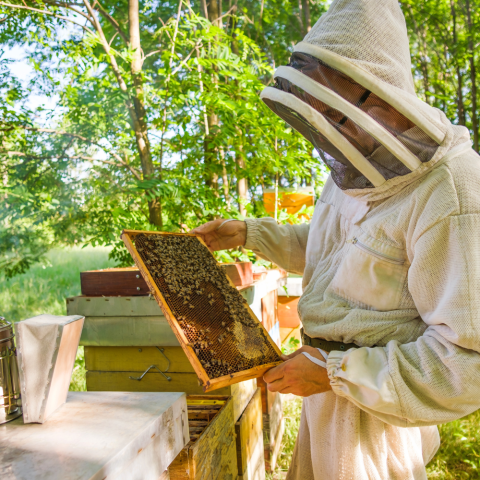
(211, 302)
(191, 306)
(206, 365)
(197, 351)
(223, 324)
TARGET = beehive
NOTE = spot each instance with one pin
(220, 335)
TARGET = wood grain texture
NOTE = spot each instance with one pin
(287, 312)
(208, 384)
(240, 273)
(98, 436)
(136, 359)
(249, 440)
(113, 281)
(268, 397)
(104, 380)
(273, 427)
(151, 382)
(213, 454)
(269, 310)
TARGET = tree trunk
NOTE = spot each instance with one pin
(306, 10)
(300, 18)
(460, 105)
(473, 74)
(421, 36)
(139, 120)
(211, 163)
(242, 184)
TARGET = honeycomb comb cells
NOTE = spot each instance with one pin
(221, 336)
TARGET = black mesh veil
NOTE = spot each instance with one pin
(346, 176)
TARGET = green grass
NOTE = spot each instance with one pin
(43, 289)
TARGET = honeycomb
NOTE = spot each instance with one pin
(213, 315)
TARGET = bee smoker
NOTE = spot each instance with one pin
(10, 401)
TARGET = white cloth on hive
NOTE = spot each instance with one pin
(39, 340)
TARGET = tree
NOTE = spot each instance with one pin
(146, 117)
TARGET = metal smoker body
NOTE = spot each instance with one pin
(10, 401)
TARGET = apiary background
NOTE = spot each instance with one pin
(121, 336)
(211, 451)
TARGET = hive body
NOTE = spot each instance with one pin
(221, 336)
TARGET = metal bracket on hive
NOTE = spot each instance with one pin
(154, 366)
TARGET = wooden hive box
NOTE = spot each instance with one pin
(129, 282)
(211, 452)
(249, 438)
(117, 368)
(219, 333)
(288, 297)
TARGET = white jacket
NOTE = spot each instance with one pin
(399, 276)
(391, 259)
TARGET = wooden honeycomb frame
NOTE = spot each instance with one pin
(208, 384)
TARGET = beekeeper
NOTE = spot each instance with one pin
(390, 260)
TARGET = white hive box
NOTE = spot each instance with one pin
(98, 436)
(46, 349)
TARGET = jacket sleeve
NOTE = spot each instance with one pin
(284, 245)
(435, 379)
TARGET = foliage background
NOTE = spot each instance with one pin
(74, 170)
(154, 119)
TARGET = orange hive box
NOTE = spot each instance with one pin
(219, 333)
(292, 201)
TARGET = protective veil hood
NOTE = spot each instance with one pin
(349, 90)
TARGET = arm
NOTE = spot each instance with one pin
(284, 245)
(435, 379)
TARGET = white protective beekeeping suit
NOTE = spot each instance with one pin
(391, 258)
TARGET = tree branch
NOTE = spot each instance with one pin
(46, 12)
(87, 140)
(112, 21)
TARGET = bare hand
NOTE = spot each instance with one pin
(299, 375)
(230, 235)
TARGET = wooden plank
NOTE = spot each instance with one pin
(268, 397)
(287, 312)
(208, 384)
(129, 331)
(113, 281)
(273, 427)
(97, 436)
(136, 359)
(249, 440)
(240, 273)
(242, 393)
(165, 475)
(141, 306)
(151, 382)
(269, 310)
(213, 454)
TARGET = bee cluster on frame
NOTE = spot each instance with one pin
(211, 312)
